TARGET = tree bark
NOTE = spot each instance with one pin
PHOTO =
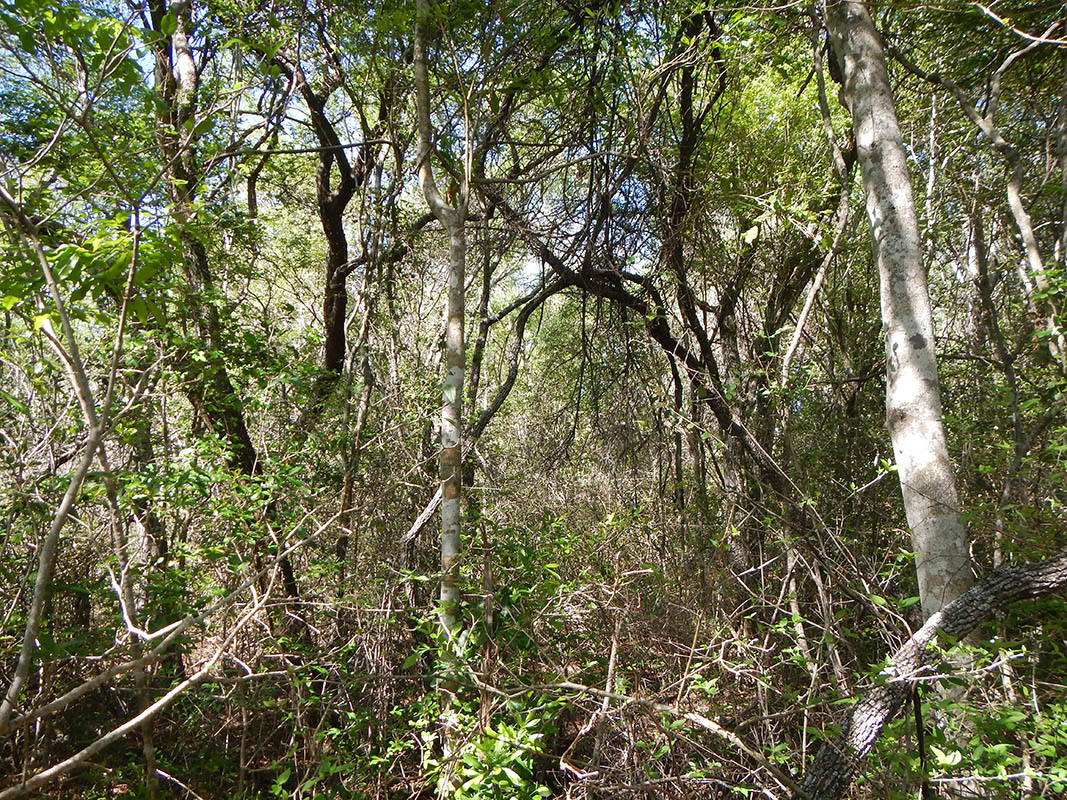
(913, 396)
(332, 203)
(453, 219)
(177, 82)
(837, 761)
(1032, 273)
(215, 399)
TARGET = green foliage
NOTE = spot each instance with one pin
(982, 734)
(608, 522)
(498, 762)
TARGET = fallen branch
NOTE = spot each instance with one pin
(167, 634)
(46, 776)
(699, 720)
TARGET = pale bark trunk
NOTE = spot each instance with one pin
(451, 458)
(452, 218)
(1031, 270)
(1061, 151)
(913, 398)
(95, 429)
(43, 581)
(452, 432)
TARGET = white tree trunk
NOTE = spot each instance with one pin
(453, 219)
(452, 432)
(913, 397)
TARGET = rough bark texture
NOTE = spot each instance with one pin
(215, 398)
(837, 760)
(177, 80)
(332, 202)
(913, 397)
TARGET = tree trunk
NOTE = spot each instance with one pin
(177, 82)
(452, 432)
(332, 203)
(913, 397)
(832, 771)
(215, 399)
(453, 218)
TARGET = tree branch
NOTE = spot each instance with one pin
(838, 760)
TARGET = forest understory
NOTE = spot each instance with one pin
(504, 401)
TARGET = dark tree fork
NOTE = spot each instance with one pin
(672, 398)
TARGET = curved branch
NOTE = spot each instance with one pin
(838, 760)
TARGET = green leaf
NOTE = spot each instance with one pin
(140, 308)
(947, 759)
(204, 126)
(475, 781)
(15, 403)
(167, 26)
(155, 311)
(279, 783)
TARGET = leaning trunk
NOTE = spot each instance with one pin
(838, 760)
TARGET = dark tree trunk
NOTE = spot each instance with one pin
(213, 395)
(837, 761)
